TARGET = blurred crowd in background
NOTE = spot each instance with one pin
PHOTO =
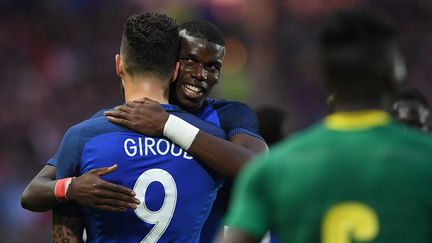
(57, 68)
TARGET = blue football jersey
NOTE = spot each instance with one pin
(234, 118)
(175, 191)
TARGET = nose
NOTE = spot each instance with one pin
(200, 72)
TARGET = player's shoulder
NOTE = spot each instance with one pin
(226, 104)
(200, 123)
(411, 136)
(228, 109)
(93, 127)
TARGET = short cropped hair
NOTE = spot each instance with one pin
(356, 52)
(150, 44)
(203, 30)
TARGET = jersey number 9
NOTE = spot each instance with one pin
(162, 217)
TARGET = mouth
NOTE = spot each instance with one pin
(193, 91)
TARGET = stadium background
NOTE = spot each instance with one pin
(57, 57)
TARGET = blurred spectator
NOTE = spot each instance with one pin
(411, 108)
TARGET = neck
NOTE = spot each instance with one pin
(150, 87)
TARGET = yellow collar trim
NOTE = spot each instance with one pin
(356, 120)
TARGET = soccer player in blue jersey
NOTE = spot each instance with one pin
(202, 51)
(175, 191)
(201, 56)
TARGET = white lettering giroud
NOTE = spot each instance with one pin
(151, 147)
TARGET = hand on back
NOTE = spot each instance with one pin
(90, 190)
(145, 116)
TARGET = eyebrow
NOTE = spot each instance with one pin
(216, 63)
(193, 57)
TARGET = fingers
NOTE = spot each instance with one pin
(119, 121)
(108, 187)
(142, 101)
(108, 170)
(115, 203)
(120, 111)
(132, 104)
(108, 208)
(118, 190)
(104, 170)
(116, 108)
(148, 100)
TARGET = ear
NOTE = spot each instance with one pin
(119, 65)
(175, 72)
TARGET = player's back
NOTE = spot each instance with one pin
(367, 185)
(175, 191)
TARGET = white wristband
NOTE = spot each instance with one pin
(180, 132)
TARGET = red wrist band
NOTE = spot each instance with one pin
(61, 188)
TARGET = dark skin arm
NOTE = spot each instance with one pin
(148, 117)
(67, 229)
(87, 190)
(236, 236)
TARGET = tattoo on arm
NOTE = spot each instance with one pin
(67, 229)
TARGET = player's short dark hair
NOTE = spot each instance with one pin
(411, 94)
(356, 52)
(150, 44)
(203, 30)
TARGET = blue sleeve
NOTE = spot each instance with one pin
(69, 154)
(201, 124)
(236, 118)
(67, 161)
(53, 160)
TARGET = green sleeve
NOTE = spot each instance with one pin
(248, 209)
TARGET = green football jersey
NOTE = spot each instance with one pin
(356, 177)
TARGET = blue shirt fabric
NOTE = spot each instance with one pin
(234, 118)
(177, 191)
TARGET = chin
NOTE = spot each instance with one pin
(193, 106)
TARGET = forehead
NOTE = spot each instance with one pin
(201, 48)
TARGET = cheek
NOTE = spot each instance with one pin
(178, 88)
(183, 74)
(212, 80)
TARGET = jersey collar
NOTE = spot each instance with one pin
(169, 107)
(357, 120)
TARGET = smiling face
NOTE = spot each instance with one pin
(200, 64)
